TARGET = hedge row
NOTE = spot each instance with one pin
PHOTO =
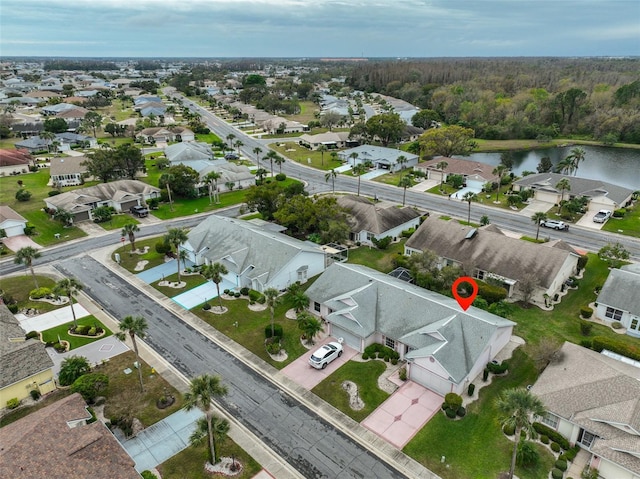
(552, 434)
(600, 342)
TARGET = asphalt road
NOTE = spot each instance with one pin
(312, 446)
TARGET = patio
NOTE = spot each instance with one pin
(202, 293)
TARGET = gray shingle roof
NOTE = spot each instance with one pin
(365, 301)
(376, 218)
(618, 291)
(114, 190)
(188, 151)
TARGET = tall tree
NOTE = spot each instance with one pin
(129, 160)
(516, 406)
(69, 287)
(388, 127)
(447, 141)
(257, 151)
(25, 256)
(212, 182)
(214, 272)
(402, 161)
(278, 160)
(499, 171)
(309, 325)
(537, 218)
(49, 137)
(177, 237)
(469, 196)
(134, 326)
(271, 155)
(202, 390)
(562, 185)
(167, 179)
(331, 175)
(577, 156)
(358, 171)
(219, 430)
(354, 157)
(130, 230)
(272, 300)
(322, 149)
(442, 165)
(238, 144)
(404, 183)
(92, 120)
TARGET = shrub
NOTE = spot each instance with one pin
(613, 344)
(23, 195)
(163, 247)
(54, 192)
(90, 385)
(365, 356)
(471, 389)
(485, 374)
(453, 400)
(585, 327)
(29, 230)
(226, 291)
(544, 439)
(402, 373)
(461, 412)
(244, 291)
(551, 434)
(586, 312)
(277, 331)
(572, 453)
(509, 429)
(586, 343)
(281, 177)
(262, 299)
(527, 454)
(13, 403)
(492, 294)
(616, 325)
(35, 394)
(619, 213)
(451, 414)
(382, 243)
(32, 334)
(72, 368)
(561, 464)
(273, 347)
(237, 294)
(40, 293)
(13, 308)
(254, 295)
(556, 473)
(555, 447)
(498, 368)
(92, 331)
(148, 475)
(582, 262)
(394, 361)
(206, 306)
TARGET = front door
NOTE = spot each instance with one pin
(585, 438)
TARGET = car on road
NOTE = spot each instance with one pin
(602, 216)
(139, 211)
(231, 156)
(324, 355)
(554, 224)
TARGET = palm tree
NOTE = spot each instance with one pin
(402, 161)
(167, 178)
(298, 299)
(469, 196)
(272, 300)
(50, 137)
(238, 144)
(212, 181)
(219, 429)
(562, 185)
(26, 256)
(577, 155)
(359, 170)
(69, 287)
(565, 166)
(499, 171)
(278, 161)
(404, 183)
(322, 149)
(538, 217)
(176, 237)
(230, 138)
(260, 174)
(442, 165)
(214, 272)
(134, 326)
(354, 157)
(130, 230)
(516, 406)
(334, 156)
(202, 390)
(309, 325)
(271, 155)
(331, 175)
(256, 151)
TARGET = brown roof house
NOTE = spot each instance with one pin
(11, 222)
(593, 400)
(488, 253)
(369, 219)
(56, 441)
(67, 171)
(476, 174)
(121, 194)
(161, 134)
(24, 364)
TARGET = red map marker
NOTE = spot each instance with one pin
(462, 301)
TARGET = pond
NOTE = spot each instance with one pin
(618, 166)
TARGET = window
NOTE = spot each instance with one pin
(635, 324)
(613, 313)
(316, 306)
(550, 420)
(390, 343)
(480, 274)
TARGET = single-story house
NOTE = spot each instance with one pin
(68, 140)
(153, 109)
(277, 124)
(188, 151)
(34, 144)
(368, 219)
(618, 300)
(142, 99)
(11, 222)
(49, 110)
(77, 113)
(487, 252)
(24, 364)
(255, 256)
(476, 174)
(446, 347)
(59, 441)
(230, 173)
(161, 134)
(331, 139)
(593, 400)
(602, 195)
(67, 171)
(18, 157)
(380, 157)
(120, 194)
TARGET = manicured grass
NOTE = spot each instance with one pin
(475, 447)
(375, 258)
(446, 190)
(153, 172)
(62, 332)
(189, 463)
(301, 155)
(123, 396)
(115, 142)
(505, 145)
(208, 138)
(365, 375)
(629, 225)
(188, 207)
(394, 178)
(307, 112)
(19, 288)
(129, 261)
(45, 401)
(191, 280)
(118, 221)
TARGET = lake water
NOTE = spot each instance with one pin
(614, 165)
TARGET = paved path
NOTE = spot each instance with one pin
(49, 320)
(95, 352)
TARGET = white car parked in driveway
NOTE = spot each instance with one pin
(602, 216)
(324, 355)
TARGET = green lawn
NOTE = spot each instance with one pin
(365, 375)
(188, 207)
(115, 142)
(474, 447)
(307, 112)
(118, 221)
(302, 155)
(19, 288)
(375, 258)
(208, 138)
(191, 280)
(129, 261)
(62, 332)
(629, 225)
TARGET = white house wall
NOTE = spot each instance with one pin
(609, 470)
(289, 275)
(13, 227)
(422, 373)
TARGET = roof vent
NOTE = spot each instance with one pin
(472, 232)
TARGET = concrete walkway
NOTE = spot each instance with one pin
(95, 352)
(578, 464)
(163, 440)
(200, 294)
(162, 271)
(49, 320)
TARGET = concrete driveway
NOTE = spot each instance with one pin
(95, 352)
(307, 376)
(404, 413)
(587, 221)
(14, 243)
(534, 206)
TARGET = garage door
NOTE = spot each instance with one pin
(429, 380)
(81, 216)
(549, 197)
(128, 204)
(349, 338)
(14, 230)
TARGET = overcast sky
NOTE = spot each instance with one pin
(319, 28)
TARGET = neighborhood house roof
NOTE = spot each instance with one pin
(7, 213)
(229, 172)
(82, 198)
(599, 393)
(67, 165)
(364, 301)
(14, 157)
(491, 250)
(365, 215)
(618, 289)
(188, 151)
(458, 166)
(376, 153)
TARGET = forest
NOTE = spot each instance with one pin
(533, 98)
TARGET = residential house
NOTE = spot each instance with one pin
(67, 171)
(15, 160)
(487, 252)
(120, 194)
(24, 364)
(162, 134)
(232, 176)
(60, 440)
(369, 219)
(602, 195)
(188, 151)
(34, 144)
(618, 300)
(593, 400)
(331, 139)
(255, 256)
(50, 110)
(475, 174)
(77, 113)
(69, 140)
(142, 99)
(446, 347)
(153, 109)
(278, 125)
(380, 157)
(11, 222)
